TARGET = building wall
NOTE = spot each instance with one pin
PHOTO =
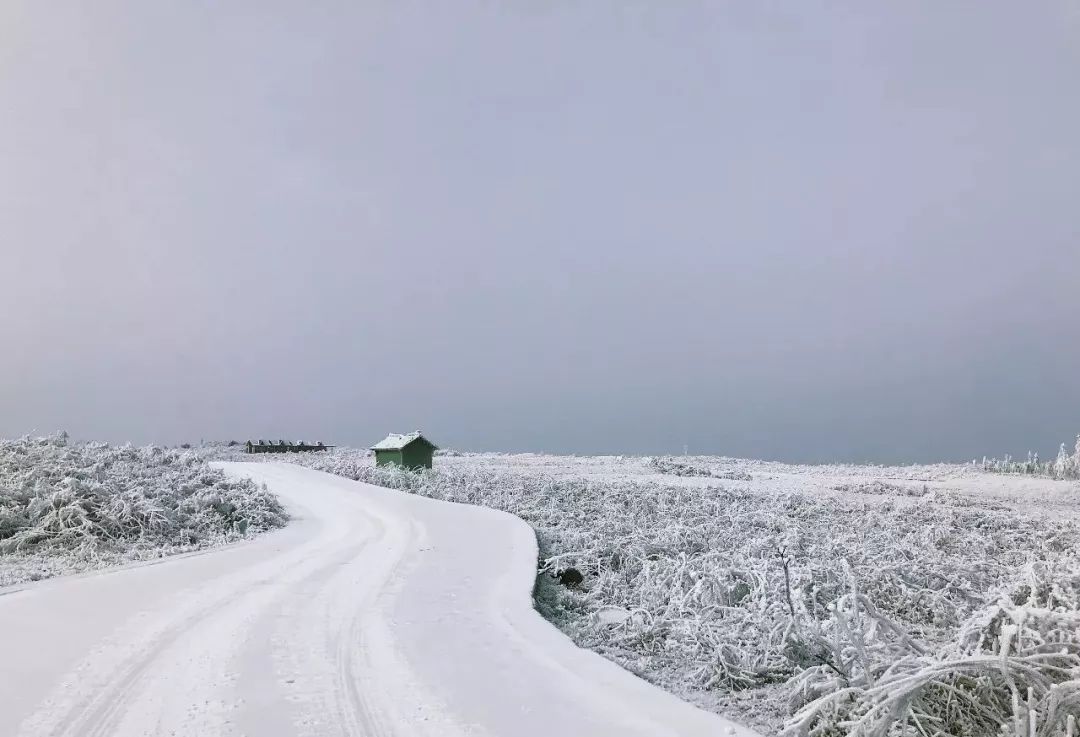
(417, 455)
(388, 457)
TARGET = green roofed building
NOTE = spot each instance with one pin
(411, 450)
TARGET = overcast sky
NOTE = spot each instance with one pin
(835, 231)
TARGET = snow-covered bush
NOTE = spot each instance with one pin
(680, 468)
(883, 488)
(66, 507)
(839, 613)
(1013, 668)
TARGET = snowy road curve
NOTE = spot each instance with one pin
(374, 613)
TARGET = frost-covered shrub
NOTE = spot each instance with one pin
(1013, 668)
(727, 591)
(67, 506)
(882, 488)
(679, 468)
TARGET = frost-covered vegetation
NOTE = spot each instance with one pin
(881, 487)
(66, 507)
(678, 468)
(1065, 466)
(832, 603)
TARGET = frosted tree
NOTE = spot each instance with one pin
(1061, 465)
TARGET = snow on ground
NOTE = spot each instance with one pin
(807, 595)
(373, 613)
(67, 507)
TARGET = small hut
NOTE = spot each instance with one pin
(411, 450)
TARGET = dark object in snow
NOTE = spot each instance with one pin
(570, 577)
(283, 447)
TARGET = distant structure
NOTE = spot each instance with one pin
(283, 447)
(411, 450)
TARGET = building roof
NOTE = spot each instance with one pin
(397, 441)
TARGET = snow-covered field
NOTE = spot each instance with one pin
(825, 599)
(67, 507)
(372, 613)
(822, 600)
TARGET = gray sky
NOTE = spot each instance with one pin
(806, 231)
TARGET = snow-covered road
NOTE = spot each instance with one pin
(374, 613)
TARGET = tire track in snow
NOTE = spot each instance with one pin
(337, 648)
(128, 685)
(310, 632)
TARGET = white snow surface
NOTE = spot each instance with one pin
(373, 613)
(397, 441)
